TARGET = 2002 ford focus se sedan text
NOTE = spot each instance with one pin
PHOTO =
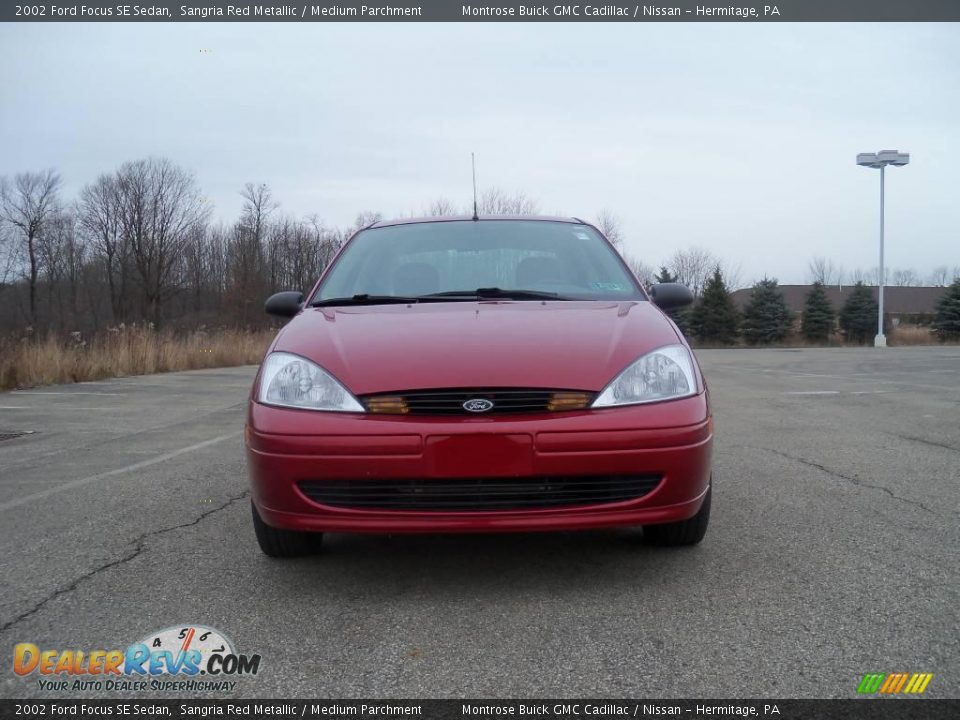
(492, 374)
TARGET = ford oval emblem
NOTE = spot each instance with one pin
(478, 405)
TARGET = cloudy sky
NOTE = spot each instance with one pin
(737, 138)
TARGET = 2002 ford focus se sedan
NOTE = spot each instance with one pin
(492, 374)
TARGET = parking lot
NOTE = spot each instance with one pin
(832, 550)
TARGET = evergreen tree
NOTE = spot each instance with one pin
(714, 318)
(664, 275)
(681, 316)
(858, 319)
(947, 320)
(818, 315)
(766, 319)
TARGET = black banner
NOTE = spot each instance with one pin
(852, 709)
(485, 11)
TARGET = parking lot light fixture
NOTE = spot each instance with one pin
(881, 160)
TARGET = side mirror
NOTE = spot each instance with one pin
(669, 296)
(284, 304)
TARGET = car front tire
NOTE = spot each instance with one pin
(685, 532)
(279, 543)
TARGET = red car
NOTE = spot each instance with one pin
(491, 374)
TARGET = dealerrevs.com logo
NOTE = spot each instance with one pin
(187, 658)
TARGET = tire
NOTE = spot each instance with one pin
(685, 532)
(279, 543)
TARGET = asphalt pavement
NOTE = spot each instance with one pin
(832, 550)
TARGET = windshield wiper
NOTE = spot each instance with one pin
(365, 299)
(496, 293)
(478, 294)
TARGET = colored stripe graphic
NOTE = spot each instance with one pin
(871, 683)
(894, 683)
(918, 683)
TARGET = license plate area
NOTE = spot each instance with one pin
(479, 455)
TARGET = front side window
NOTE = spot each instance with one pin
(422, 259)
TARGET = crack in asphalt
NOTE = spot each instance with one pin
(849, 478)
(138, 547)
(931, 443)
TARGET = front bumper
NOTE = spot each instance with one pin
(672, 440)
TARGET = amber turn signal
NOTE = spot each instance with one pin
(388, 405)
(568, 401)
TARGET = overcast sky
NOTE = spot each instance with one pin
(737, 138)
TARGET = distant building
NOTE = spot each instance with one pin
(900, 304)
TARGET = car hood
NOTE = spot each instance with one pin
(561, 345)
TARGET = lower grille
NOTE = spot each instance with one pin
(478, 494)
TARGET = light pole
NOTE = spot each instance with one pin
(881, 160)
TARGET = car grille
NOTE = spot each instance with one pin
(479, 494)
(451, 401)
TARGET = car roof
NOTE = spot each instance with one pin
(481, 218)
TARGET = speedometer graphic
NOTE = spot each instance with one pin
(179, 640)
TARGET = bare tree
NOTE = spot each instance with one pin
(693, 267)
(867, 277)
(859, 275)
(203, 271)
(303, 252)
(28, 205)
(63, 255)
(249, 263)
(940, 277)
(609, 225)
(215, 266)
(325, 243)
(495, 201)
(442, 207)
(366, 218)
(823, 270)
(905, 278)
(732, 274)
(258, 205)
(645, 273)
(160, 207)
(99, 220)
(7, 254)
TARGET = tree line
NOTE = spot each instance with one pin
(138, 244)
(823, 270)
(766, 319)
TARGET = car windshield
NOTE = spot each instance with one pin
(499, 258)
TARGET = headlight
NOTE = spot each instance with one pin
(664, 374)
(292, 381)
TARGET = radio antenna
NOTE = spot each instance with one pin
(473, 163)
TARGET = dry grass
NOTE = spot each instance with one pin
(900, 336)
(118, 352)
(912, 335)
